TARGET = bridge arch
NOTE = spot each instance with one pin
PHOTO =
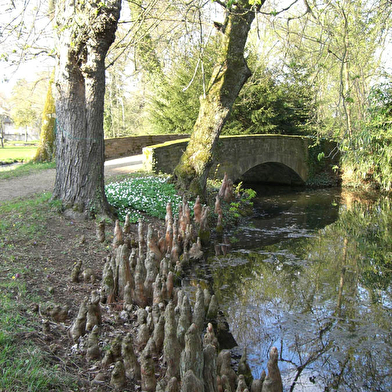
(263, 158)
(272, 173)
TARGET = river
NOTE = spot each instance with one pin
(310, 273)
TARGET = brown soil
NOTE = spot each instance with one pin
(26, 186)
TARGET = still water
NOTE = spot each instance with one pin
(311, 274)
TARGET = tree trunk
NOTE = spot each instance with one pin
(229, 75)
(2, 132)
(85, 32)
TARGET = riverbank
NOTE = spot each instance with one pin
(40, 298)
(39, 251)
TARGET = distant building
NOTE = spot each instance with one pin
(11, 133)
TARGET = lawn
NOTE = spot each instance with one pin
(11, 153)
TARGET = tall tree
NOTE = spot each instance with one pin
(228, 76)
(274, 101)
(174, 104)
(85, 31)
(340, 43)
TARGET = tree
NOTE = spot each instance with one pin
(85, 31)
(274, 101)
(228, 76)
(368, 154)
(174, 104)
(169, 47)
(46, 149)
(340, 43)
(27, 102)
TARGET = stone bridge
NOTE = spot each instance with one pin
(277, 159)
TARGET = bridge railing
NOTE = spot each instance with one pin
(133, 145)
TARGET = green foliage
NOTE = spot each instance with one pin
(232, 211)
(274, 102)
(368, 153)
(142, 195)
(174, 104)
(27, 102)
(323, 160)
(46, 149)
(270, 102)
(243, 206)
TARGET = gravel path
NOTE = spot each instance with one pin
(43, 181)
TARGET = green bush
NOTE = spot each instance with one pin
(368, 153)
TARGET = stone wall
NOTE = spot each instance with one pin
(133, 145)
(163, 157)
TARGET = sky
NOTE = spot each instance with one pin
(23, 25)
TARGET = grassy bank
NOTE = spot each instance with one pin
(26, 358)
(16, 153)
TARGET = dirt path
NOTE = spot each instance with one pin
(44, 180)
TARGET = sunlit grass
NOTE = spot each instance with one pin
(24, 365)
(11, 153)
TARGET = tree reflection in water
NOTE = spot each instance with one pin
(325, 302)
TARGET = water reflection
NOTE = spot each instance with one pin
(282, 212)
(323, 298)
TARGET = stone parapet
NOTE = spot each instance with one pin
(133, 145)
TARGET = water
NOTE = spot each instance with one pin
(311, 274)
(9, 166)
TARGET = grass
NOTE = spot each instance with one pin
(23, 364)
(22, 142)
(24, 361)
(25, 169)
(12, 153)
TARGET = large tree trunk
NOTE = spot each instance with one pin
(85, 32)
(229, 75)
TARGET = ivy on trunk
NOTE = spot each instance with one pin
(85, 31)
(229, 75)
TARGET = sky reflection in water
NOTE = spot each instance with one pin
(313, 277)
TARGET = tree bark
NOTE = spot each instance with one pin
(229, 75)
(85, 32)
